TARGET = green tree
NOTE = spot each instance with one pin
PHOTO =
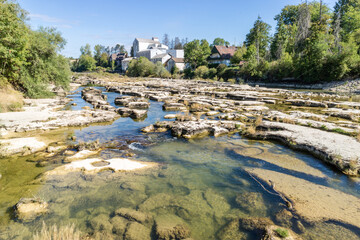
(238, 55)
(220, 41)
(98, 51)
(349, 13)
(104, 60)
(86, 50)
(86, 63)
(197, 52)
(259, 36)
(140, 67)
(13, 41)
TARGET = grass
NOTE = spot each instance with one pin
(288, 120)
(258, 120)
(53, 233)
(283, 233)
(358, 136)
(10, 100)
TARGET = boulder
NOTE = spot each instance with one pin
(28, 209)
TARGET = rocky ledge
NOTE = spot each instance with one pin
(339, 150)
(195, 128)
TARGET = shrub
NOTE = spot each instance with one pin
(201, 72)
(140, 67)
(283, 233)
(212, 73)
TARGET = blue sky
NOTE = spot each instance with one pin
(109, 22)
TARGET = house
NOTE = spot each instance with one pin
(155, 51)
(125, 63)
(221, 54)
(163, 57)
(141, 44)
(178, 62)
(117, 57)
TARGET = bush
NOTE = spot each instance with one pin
(201, 72)
(212, 73)
(220, 69)
(86, 63)
(142, 67)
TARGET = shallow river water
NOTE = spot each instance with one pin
(201, 181)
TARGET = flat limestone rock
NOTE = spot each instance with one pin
(337, 149)
(95, 165)
(20, 145)
(27, 209)
(313, 202)
(80, 155)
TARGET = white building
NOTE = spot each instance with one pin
(155, 51)
(141, 44)
(172, 62)
(125, 63)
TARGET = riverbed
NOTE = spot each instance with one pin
(205, 184)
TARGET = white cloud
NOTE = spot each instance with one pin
(46, 18)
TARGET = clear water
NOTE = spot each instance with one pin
(197, 180)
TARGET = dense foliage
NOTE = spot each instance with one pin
(101, 59)
(311, 44)
(142, 67)
(29, 60)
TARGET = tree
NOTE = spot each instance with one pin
(197, 52)
(349, 13)
(98, 51)
(86, 50)
(30, 60)
(259, 36)
(220, 42)
(104, 60)
(13, 39)
(166, 40)
(238, 55)
(304, 24)
(286, 29)
(86, 63)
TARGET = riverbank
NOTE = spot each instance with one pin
(219, 161)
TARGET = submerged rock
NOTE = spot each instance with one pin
(133, 215)
(251, 202)
(119, 225)
(28, 209)
(101, 223)
(274, 232)
(137, 231)
(171, 227)
(232, 231)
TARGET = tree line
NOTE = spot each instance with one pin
(30, 60)
(311, 44)
(99, 58)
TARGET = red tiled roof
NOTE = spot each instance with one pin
(225, 51)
